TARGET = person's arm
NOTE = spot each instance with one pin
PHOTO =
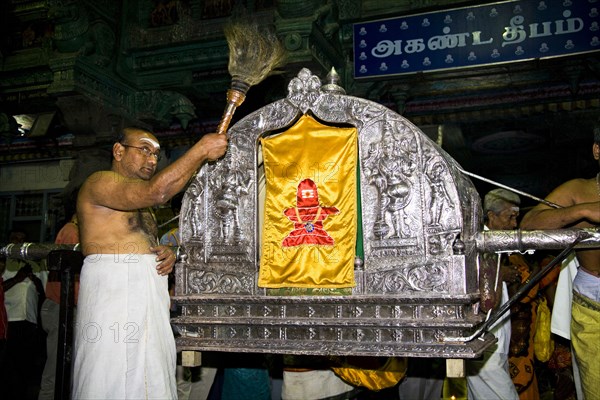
(571, 212)
(22, 273)
(111, 190)
(550, 218)
(10, 283)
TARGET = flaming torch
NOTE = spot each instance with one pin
(254, 53)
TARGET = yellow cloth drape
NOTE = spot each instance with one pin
(543, 344)
(454, 389)
(309, 241)
(385, 376)
(585, 335)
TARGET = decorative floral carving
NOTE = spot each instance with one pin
(409, 279)
(211, 282)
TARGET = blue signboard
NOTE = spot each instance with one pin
(473, 36)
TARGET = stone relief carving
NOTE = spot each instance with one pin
(76, 30)
(162, 106)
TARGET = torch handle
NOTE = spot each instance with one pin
(234, 99)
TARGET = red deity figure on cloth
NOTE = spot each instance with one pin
(308, 217)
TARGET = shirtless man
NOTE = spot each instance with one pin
(580, 207)
(124, 345)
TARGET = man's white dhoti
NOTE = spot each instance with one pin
(561, 310)
(124, 346)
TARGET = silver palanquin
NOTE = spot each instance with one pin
(417, 284)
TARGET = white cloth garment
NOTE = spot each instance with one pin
(502, 328)
(124, 346)
(21, 301)
(488, 378)
(561, 310)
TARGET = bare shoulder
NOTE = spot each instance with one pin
(98, 182)
(572, 192)
(101, 177)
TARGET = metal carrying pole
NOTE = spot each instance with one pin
(530, 283)
(34, 251)
(523, 289)
(516, 240)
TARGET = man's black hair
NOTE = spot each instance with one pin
(121, 135)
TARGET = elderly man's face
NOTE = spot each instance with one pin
(506, 219)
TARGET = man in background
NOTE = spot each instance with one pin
(488, 378)
(579, 201)
(23, 294)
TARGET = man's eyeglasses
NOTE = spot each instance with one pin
(145, 151)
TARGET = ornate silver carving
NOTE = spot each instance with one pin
(229, 186)
(304, 90)
(490, 241)
(389, 168)
(212, 282)
(413, 278)
(416, 282)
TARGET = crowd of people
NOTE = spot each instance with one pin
(123, 334)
